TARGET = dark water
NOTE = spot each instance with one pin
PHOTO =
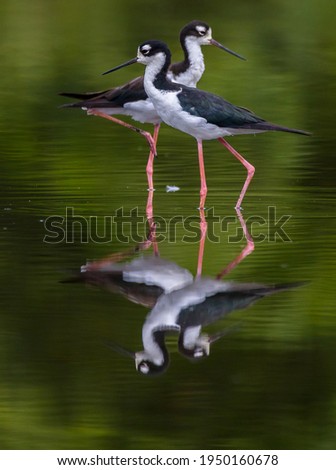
(270, 383)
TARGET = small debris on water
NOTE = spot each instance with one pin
(172, 189)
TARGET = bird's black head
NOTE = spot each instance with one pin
(147, 53)
(197, 351)
(146, 363)
(156, 362)
(195, 28)
(200, 33)
(152, 48)
(147, 367)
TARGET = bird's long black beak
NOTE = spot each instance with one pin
(220, 334)
(130, 62)
(120, 349)
(218, 44)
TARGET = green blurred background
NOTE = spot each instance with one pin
(272, 384)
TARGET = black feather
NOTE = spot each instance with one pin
(114, 98)
(222, 113)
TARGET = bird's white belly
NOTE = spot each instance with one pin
(170, 111)
(196, 126)
(142, 111)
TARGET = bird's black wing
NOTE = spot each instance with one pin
(216, 110)
(114, 98)
(220, 112)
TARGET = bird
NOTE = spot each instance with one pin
(185, 311)
(179, 303)
(201, 114)
(131, 98)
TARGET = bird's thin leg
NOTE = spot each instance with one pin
(204, 228)
(245, 251)
(150, 163)
(250, 170)
(148, 137)
(204, 189)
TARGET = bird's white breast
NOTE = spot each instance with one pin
(142, 111)
(169, 109)
(196, 69)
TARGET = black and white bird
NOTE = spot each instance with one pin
(200, 114)
(186, 311)
(131, 98)
(179, 304)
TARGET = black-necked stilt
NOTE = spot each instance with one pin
(186, 311)
(131, 99)
(201, 114)
(180, 303)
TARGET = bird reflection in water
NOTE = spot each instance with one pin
(180, 303)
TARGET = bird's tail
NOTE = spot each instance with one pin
(288, 286)
(261, 290)
(269, 126)
(82, 96)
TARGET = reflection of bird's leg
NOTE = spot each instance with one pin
(250, 170)
(245, 251)
(121, 255)
(151, 237)
(149, 171)
(149, 207)
(110, 259)
(148, 137)
(150, 163)
(203, 228)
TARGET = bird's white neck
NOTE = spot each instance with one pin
(152, 350)
(196, 68)
(192, 68)
(156, 70)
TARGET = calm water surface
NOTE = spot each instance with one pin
(270, 382)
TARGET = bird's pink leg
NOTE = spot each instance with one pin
(250, 170)
(204, 229)
(150, 163)
(148, 137)
(204, 189)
